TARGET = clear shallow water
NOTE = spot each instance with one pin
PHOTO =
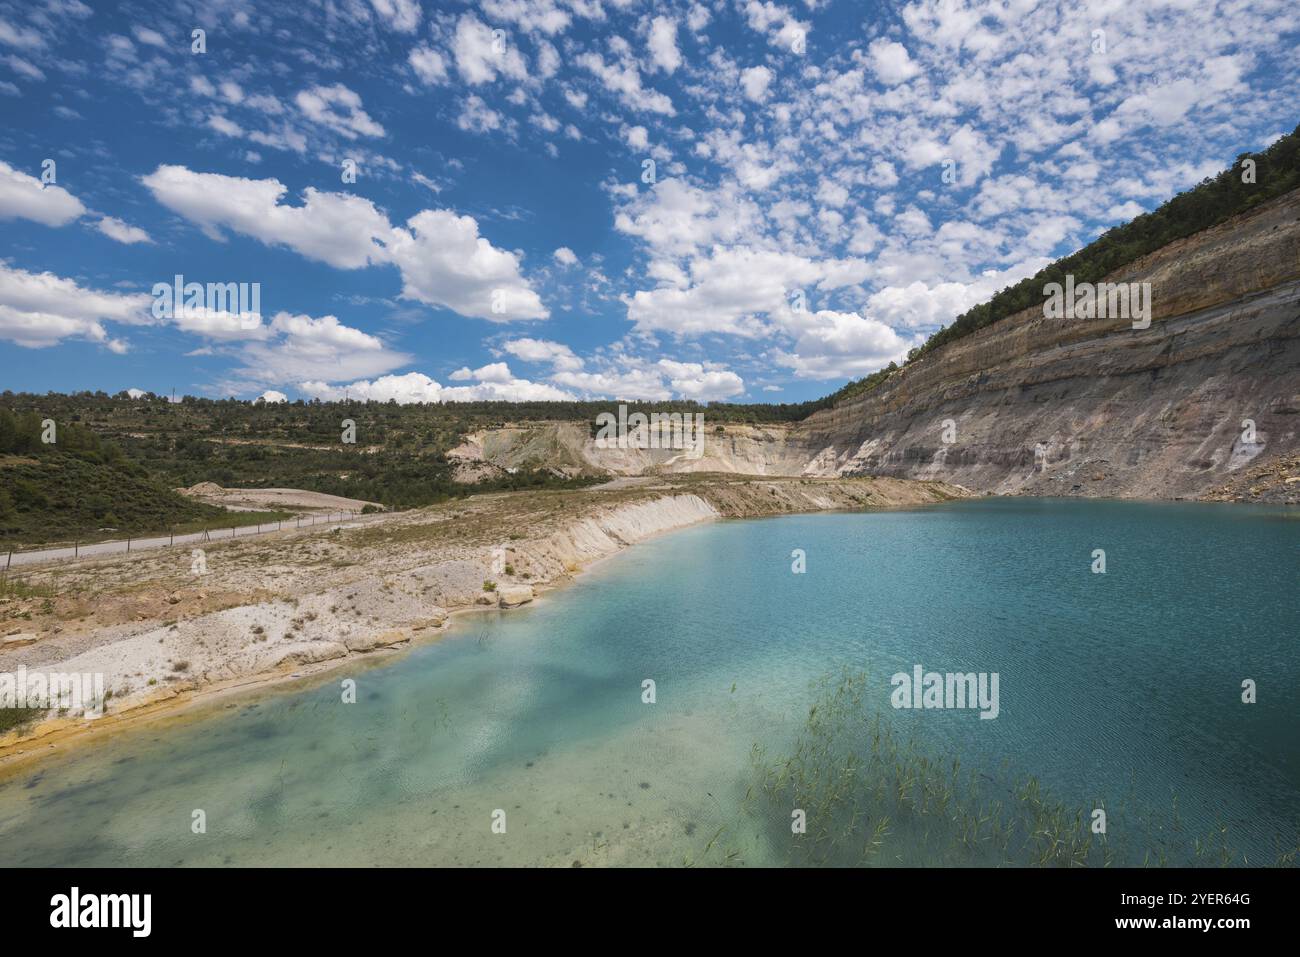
(1123, 687)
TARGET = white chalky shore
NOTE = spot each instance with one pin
(333, 595)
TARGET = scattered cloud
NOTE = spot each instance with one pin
(122, 232)
(663, 44)
(24, 197)
(338, 108)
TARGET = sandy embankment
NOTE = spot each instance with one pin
(300, 601)
(259, 499)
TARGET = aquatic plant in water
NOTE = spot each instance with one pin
(869, 798)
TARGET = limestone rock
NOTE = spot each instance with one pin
(514, 595)
(367, 642)
(301, 653)
(437, 616)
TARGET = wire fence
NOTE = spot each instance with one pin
(212, 533)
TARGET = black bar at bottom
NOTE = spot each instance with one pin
(333, 906)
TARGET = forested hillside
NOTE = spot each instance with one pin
(116, 460)
(78, 485)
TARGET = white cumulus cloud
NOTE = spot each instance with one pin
(442, 259)
(42, 309)
(23, 197)
(122, 232)
(663, 44)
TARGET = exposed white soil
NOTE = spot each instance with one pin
(287, 603)
(272, 499)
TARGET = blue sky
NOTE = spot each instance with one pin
(735, 199)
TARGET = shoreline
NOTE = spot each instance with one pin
(202, 702)
(567, 548)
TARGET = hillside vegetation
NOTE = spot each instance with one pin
(117, 460)
(77, 486)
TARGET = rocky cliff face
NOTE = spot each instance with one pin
(1203, 403)
(570, 448)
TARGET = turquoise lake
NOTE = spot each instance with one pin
(1120, 690)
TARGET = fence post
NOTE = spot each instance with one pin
(128, 544)
(76, 546)
(10, 560)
